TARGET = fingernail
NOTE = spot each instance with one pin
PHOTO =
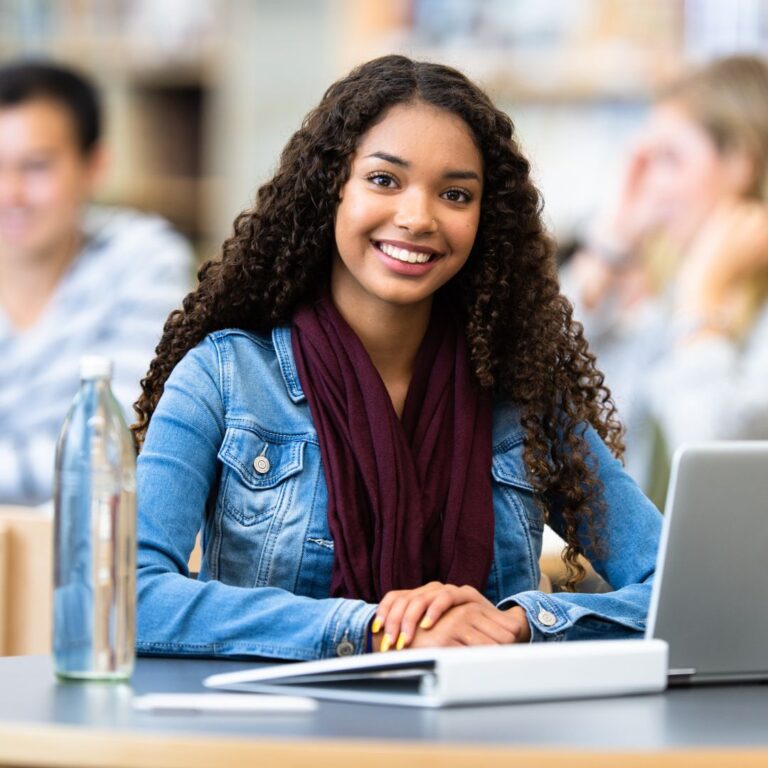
(426, 623)
(386, 641)
(401, 641)
(376, 626)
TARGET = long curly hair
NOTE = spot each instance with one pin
(524, 344)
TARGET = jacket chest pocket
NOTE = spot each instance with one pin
(256, 475)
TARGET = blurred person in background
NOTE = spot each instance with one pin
(74, 279)
(672, 286)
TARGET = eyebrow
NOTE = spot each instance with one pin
(450, 174)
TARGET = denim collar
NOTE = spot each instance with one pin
(281, 339)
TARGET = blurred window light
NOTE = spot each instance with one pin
(720, 27)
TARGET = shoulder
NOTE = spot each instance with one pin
(125, 233)
(507, 427)
(234, 347)
(228, 367)
(509, 433)
(254, 373)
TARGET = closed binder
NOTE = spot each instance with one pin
(439, 677)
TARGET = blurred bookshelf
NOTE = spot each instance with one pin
(201, 95)
(576, 76)
(154, 64)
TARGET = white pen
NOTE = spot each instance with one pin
(223, 702)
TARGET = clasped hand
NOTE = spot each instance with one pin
(439, 614)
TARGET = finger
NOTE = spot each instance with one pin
(418, 599)
(447, 598)
(472, 624)
(438, 605)
(383, 610)
(451, 632)
(389, 611)
(426, 606)
(415, 615)
(389, 599)
(471, 636)
(412, 604)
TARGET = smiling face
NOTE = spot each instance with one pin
(409, 213)
(44, 179)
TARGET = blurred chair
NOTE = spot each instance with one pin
(26, 581)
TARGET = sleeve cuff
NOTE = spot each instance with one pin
(347, 632)
(547, 620)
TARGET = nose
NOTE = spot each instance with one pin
(415, 213)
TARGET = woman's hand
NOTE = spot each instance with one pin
(607, 265)
(474, 624)
(402, 614)
(634, 211)
(730, 251)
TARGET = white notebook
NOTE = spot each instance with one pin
(438, 677)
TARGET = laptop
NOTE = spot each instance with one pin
(710, 594)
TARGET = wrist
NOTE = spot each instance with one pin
(523, 635)
(610, 253)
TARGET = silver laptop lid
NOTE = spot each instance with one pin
(710, 594)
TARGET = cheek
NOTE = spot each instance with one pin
(350, 216)
(699, 188)
(44, 189)
(58, 191)
(463, 234)
(685, 183)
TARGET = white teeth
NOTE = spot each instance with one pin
(412, 257)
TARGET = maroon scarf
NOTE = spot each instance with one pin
(408, 501)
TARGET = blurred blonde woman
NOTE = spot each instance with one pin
(673, 285)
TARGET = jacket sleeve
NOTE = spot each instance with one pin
(176, 614)
(631, 527)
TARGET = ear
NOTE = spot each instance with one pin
(740, 171)
(96, 163)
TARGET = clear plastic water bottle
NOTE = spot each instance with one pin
(94, 599)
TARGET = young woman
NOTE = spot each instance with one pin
(374, 401)
(674, 288)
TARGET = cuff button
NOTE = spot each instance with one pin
(345, 648)
(547, 618)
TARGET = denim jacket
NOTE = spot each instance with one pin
(232, 452)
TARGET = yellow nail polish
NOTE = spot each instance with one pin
(376, 626)
(426, 623)
(400, 641)
(386, 641)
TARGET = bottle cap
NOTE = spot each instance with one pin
(95, 367)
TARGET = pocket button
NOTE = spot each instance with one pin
(261, 465)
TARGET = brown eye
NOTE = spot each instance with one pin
(457, 196)
(382, 180)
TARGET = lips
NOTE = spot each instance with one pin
(408, 253)
(405, 258)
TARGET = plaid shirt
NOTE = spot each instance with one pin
(132, 271)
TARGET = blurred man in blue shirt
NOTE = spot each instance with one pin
(74, 278)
